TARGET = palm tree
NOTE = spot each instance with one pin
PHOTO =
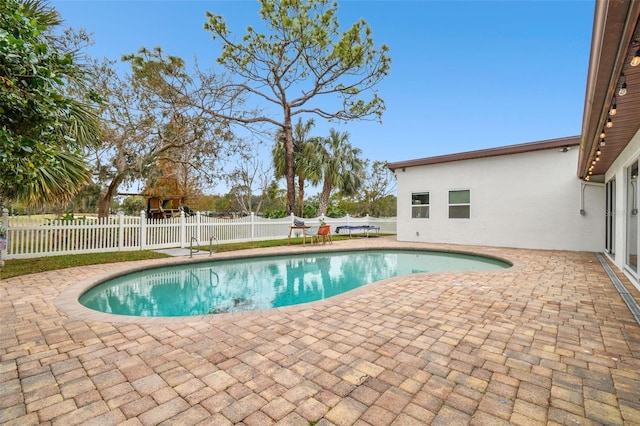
(305, 164)
(47, 116)
(342, 168)
(60, 180)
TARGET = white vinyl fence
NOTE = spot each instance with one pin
(28, 238)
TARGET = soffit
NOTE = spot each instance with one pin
(612, 54)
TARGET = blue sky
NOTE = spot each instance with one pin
(465, 75)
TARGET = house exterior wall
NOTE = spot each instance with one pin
(617, 171)
(526, 200)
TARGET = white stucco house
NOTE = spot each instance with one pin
(524, 195)
(572, 193)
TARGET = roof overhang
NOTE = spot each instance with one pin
(615, 28)
(561, 143)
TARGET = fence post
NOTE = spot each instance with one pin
(348, 221)
(143, 229)
(198, 227)
(183, 230)
(4, 235)
(120, 230)
(253, 225)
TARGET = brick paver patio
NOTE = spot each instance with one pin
(548, 341)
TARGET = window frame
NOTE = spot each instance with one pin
(456, 206)
(420, 206)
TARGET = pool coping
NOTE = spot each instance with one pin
(67, 300)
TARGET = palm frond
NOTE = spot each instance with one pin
(39, 10)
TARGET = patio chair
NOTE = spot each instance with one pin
(312, 232)
(324, 231)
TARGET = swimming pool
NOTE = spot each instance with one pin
(237, 285)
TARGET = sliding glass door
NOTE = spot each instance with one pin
(631, 261)
(610, 217)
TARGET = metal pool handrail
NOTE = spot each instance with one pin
(191, 246)
(211, 245)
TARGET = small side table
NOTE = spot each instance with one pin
(304, 233)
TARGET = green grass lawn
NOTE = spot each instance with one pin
(17, 267)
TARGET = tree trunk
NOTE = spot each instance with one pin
(323, 204)
(288, 148)
(300, 197)
(104, 203)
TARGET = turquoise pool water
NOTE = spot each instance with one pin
(264, 282)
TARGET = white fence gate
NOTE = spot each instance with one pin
(29, 238)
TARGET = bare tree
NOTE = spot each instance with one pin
(378, 183)
(250, 181)
(148, 118)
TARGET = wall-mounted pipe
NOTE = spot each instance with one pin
(583, 185)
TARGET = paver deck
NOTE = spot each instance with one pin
(548, 341)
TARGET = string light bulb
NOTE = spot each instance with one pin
(614, 108)
(603, 134)
(609, 122)
(635, 61)
(623, 87)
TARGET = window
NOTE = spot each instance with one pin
(460, 204)
(420, 205)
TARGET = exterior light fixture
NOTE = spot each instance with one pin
(614, 108)
(635, 61)
(623, 87)
(609, 122)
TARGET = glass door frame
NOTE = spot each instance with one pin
(610, 218)
(632, 222)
